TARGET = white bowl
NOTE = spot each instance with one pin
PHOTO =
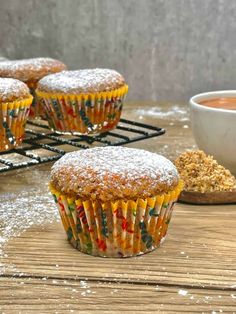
(214, 129)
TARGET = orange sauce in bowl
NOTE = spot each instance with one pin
(228, 103)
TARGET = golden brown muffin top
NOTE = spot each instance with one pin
(11, 89)
(82, 81)
(113, 173)
(28, 70)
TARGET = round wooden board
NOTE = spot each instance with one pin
(208, 198)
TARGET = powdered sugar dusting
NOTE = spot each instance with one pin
(87, 80)
(116, 170)
(27, 69)
(11, 89)
(35, 63)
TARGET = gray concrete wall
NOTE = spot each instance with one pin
(166, 49)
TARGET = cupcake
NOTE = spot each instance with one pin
(31, 71)
(115, 201)
(15, 101)
(83, 101)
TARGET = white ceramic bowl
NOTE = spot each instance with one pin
(214, 129)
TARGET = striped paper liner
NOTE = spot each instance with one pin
(13, 116)
(83, 113)
(116, 229)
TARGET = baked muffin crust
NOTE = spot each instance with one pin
(113, 173)
(81, 81)
(11, 90)
(30, 70)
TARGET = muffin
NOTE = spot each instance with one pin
(115, 201)
(83, 101)
(31, 71)
(15, 101)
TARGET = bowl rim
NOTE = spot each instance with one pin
(208, 95)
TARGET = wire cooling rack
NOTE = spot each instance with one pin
(41, 145)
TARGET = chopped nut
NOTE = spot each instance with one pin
(201, 173)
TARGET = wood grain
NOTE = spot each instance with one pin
(200, 250)
(65, 296)
(42, 273)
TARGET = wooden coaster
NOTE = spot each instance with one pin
(208, 198)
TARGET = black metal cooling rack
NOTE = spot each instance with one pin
(41, 145)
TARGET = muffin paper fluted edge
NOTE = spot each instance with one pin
(116, 229)
(36, 110)
(13, 117)
(83, 113)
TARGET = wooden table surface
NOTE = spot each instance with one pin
(194, 271)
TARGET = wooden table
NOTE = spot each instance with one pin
(192, 272)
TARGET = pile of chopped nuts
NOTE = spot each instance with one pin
(201, 173)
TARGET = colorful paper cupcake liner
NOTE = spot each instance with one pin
(13, 116)
(36, 110)
(116, 229)
(83, 113)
